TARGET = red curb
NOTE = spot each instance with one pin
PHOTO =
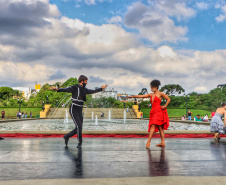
(18, 135)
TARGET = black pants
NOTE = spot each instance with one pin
(76, 115)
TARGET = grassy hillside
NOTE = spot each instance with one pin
(11, 112)
(179, 112)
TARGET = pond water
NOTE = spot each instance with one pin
(89, 124)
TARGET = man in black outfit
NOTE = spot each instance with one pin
(79, 92)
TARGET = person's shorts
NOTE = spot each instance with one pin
(3, 117)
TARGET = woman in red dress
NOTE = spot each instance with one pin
(159, 120)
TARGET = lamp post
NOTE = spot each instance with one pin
(1, 138)
(135, 101)
(186, 98)
(43, 103)
(19, 102)
(47, 99)
(139, 107)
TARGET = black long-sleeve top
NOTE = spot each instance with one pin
(78, 93)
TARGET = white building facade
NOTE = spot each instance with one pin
(105, 94)
(26, 91)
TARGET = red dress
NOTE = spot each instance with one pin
(157, 115)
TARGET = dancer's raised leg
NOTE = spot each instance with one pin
(162, 134)
(152, 131)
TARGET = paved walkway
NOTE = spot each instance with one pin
(111, 160)
(124, 181)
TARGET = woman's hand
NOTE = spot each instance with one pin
(53, 88)
(163, 107)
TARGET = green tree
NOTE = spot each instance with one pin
(6, 92)
(145, 104)
(71, 81)
(171, 89)
(143, 91)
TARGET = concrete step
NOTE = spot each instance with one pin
(116, 113)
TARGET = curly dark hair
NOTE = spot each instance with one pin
(223, 104)
(155, 83)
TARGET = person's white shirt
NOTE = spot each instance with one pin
(205, 117)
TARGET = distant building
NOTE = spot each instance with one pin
(139, 100)
(221, 86)
(37, 87)
(34, 92)
(112, 93)
(26, 91)
(122, 96)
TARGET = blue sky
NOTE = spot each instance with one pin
(204, 32)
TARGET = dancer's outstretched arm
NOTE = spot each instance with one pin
(139, 96)
(90, 91)
(68, 89)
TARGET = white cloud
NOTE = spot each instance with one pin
(107, 52)
(90, 2)
(200, 89)
(154, 24)
(175, 8)
(115, 19)
(202, 5)
(22, 72)
(222, 16)
(165, 51)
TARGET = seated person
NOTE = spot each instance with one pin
(183, 117)
(206, 118)
(198, 118)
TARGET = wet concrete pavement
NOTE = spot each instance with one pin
(48, 158)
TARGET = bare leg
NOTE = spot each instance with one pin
(162, 134)
(216, 136)
(152, 131)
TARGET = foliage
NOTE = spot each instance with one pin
(12, 112)
(209, 101)
(143, 91)
(71, 81)
(178, 112)
(8, 92)
(171, 89)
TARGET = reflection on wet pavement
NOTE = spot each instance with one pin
(47, 158)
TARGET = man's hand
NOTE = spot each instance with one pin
(53, 88)
(104, 86)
